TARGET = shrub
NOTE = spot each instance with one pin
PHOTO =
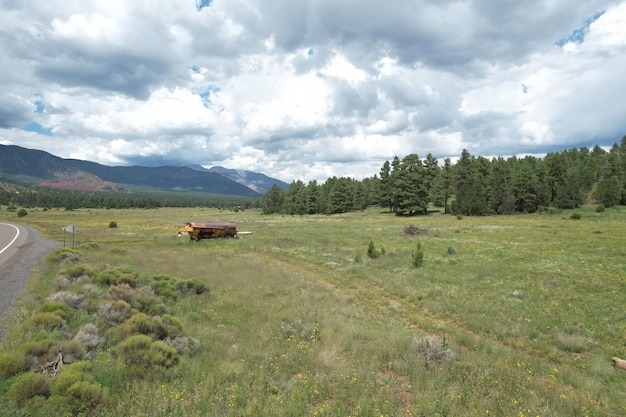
(68, 376)
(57, 307)
(27, 386)
(66, 255)
(184, 345)
(22, 213)
(433, 349)
(141, 323)
(600, 208)
(417, 255)
(114, 313)
(112, 225)
(77, 271)
(575, 216)
(140, 351)
(122, 292)
(89, 338)
(150, 306)
(40, 348)
(73, 392)
(451, 251)
(374, 252)
(68, 297)
(45, 321)
(296, 328)
(12, 363)
(164, 285)
(89, 396)
(114, 276)
(191, 286)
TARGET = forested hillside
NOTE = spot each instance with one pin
(474, 185)
(17, 195)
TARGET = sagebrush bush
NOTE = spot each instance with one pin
(191, 286)
(164, 285)
(44, 321)
(90, 338)
(70, 298)
(122, 292)
(140, 352)
(77, 271)
(73, 391)
(87, 396)
(296, 328)
(141, 323)
(433, 350)
(40, 348)
(12, 363)
(114, 313)
(114, 276)
(68, 376)
(27, 386)
(66, 255)
(184, 345)
(57, 307)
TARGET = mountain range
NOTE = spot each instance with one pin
(36, 167)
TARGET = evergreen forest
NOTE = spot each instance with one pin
(474, 185)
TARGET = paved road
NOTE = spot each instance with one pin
(22, 251)
(11, 237)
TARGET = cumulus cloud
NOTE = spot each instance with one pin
(312, 89)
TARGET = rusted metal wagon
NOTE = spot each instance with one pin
(209, 230)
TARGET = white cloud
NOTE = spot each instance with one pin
(310, 90)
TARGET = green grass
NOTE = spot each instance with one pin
(300, 321)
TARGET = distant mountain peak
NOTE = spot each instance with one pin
(256, 181)
(34, 167)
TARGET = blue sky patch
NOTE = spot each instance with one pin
(37, 128)
(40, 106)
(578, 35)
(201, 4)
(206, 95)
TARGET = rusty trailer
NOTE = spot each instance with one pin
(209, 230)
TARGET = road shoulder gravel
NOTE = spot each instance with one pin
(16, 272)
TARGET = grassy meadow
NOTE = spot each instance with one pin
(508, 316)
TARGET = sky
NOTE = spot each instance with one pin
(310, 89)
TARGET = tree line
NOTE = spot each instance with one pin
(474, 185)
(15, 195)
